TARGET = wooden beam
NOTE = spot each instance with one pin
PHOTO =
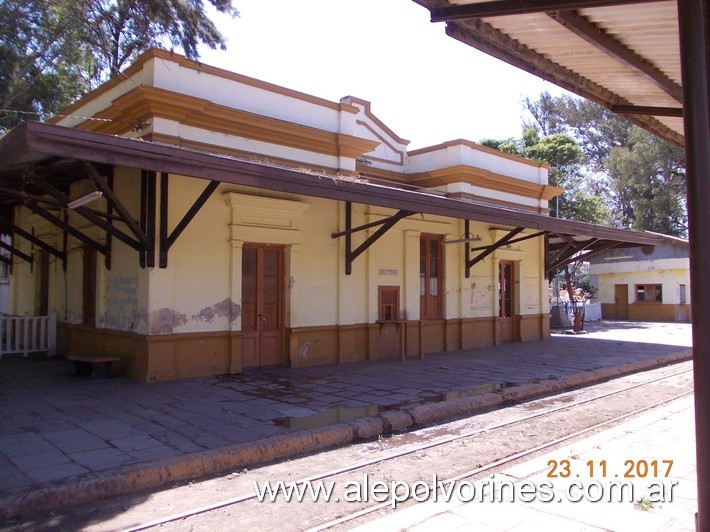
(163, 222)
(348, 237)
(488, 39)
(10, 227)
(15, 251)
(66, 227)
(53, 202)
(360, 227)
(110, 217)
(102, 184)
(567, 238)
(150, 225)
(566, 250)
(86, 213)
(515, 240)
(587, 255)
(391, 221)
(352, 254)
(192, 211)
(676, 112)
(65, 243)
(597, 37)
(499, 8)
(467, 250)
(143, 214)
(470, 263)
(565, 256)
(21, 195)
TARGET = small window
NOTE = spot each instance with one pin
(388, 302)
(649, 293)
(683, 295)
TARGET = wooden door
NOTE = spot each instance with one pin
(621, 301)
(506, 308)
(431, 276)
(262, 305)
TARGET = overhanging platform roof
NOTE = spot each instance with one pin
(622, 54)
(32, 146)
(646, 59)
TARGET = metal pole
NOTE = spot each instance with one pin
(693, 17)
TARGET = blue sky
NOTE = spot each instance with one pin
(425, 86)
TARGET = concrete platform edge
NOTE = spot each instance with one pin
(151, 475)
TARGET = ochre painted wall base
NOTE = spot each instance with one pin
(148, 358)
(665, 312)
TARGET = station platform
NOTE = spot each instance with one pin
(68, 440)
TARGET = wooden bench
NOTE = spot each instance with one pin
(94, 367)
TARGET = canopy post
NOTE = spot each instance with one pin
(694, 25)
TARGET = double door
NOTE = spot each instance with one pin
(262, 305)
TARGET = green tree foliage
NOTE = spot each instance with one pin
(564, 156)
(118, 30)
(596, 130)
(649, 183)
(41, 61)
(639, 178)
(52, 51)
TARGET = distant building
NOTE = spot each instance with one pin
(644, 283)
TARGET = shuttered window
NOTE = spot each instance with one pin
(388, 302)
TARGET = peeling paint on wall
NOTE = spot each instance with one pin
(481, 297)
(179, 319)
(121, 310)
(226, 308)
(161, 321)
(291, 282)
(303, 350)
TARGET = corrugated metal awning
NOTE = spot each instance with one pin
(623, 55)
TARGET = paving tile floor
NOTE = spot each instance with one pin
(56, 426)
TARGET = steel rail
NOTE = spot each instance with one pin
(419, 448)
(491, 465)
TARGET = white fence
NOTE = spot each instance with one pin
(28, 334)
(592, 312)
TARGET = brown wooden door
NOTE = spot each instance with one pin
(430, 277)
(621, 301)
(262, 305)
(506, 291)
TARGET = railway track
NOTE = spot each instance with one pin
(591, 413)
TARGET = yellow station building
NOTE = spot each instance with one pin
(193, 221)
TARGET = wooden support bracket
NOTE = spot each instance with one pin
(385, 225)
